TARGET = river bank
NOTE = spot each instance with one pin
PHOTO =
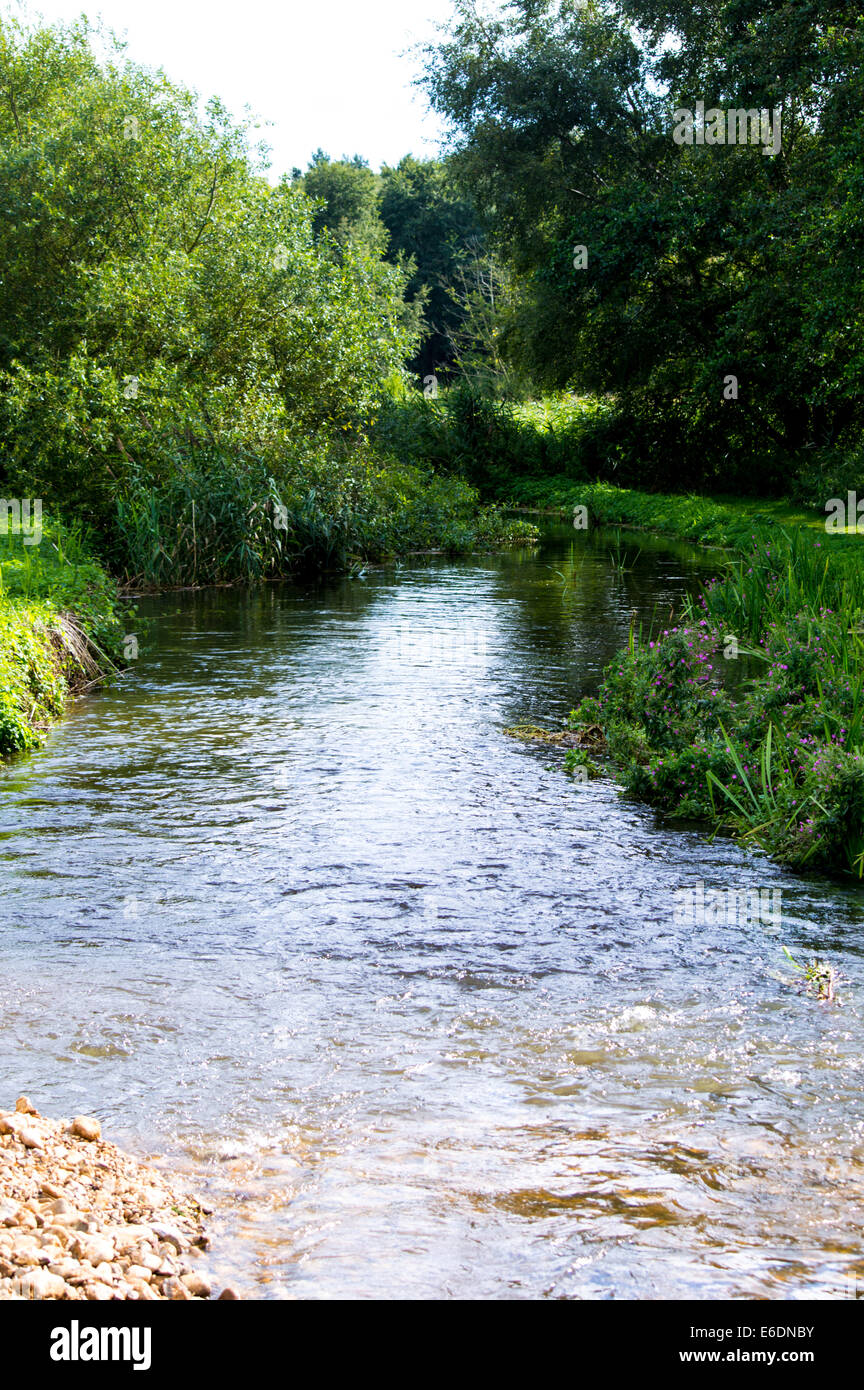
(81, 1220)
(747, 711)
(62, 628)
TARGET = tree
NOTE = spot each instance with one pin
(702, 261)
(346, 191)
(157, 296)
(431, 227)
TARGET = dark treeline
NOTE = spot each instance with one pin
(704, 261)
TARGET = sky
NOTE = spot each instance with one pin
(329, 74)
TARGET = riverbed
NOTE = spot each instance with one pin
(409, 1005)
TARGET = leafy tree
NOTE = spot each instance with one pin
(157, 296)
(431, 227)
(703, 262)
(347, 193)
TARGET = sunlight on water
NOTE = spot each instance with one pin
(287, 907)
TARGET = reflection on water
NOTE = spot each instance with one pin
(289, 908)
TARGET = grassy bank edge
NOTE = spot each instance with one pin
(728, 523)
(61, 630)
(779, 762)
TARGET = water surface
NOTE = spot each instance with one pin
(406, 1003)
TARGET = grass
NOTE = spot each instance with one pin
(762, 735)
(60, 630)
(216, 524)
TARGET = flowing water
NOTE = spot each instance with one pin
(405, 1003)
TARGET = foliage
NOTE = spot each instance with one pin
(775, 751)
(161, 305)
(44, 650)
(703, 261)
(493, 443)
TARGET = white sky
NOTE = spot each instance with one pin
(330, 73)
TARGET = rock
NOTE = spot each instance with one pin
(8, 1123)
(228, 1292)
(197, 1285)
(143, 1290)
(99, 1292)
(140, 1272)
(50, 1189)
(24, 1107)
(128, 1237)
(63, 1208)
(85, 1127)
(8, 1212)
(27, 1256)
(173, 1289)
(41, 1284)
(171, 1237)
(93, 1248)
(30, 1138)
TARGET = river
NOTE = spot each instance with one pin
(407, 1005)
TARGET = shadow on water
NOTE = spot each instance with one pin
(413, 1007)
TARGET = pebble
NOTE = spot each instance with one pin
(86, 1128)
(197, 1285)
(81, 1219)
(41, 1284)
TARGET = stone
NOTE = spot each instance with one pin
(41, 1284)
(143, 1290)
(228, 1292)
(85, 1127)
(128, 1237)
(27, 1256)
(99, 1292)
(8, 1212)
(93, 1248)
(30, 1138)
(171, 1237)
(197, 1285)
(140, 1272)
(150, 1261)
(175, 1290)
(24, 1107)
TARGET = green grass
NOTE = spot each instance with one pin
(59, 629)
(748, 711)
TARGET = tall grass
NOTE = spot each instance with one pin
(223, 522)
(778, 756)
